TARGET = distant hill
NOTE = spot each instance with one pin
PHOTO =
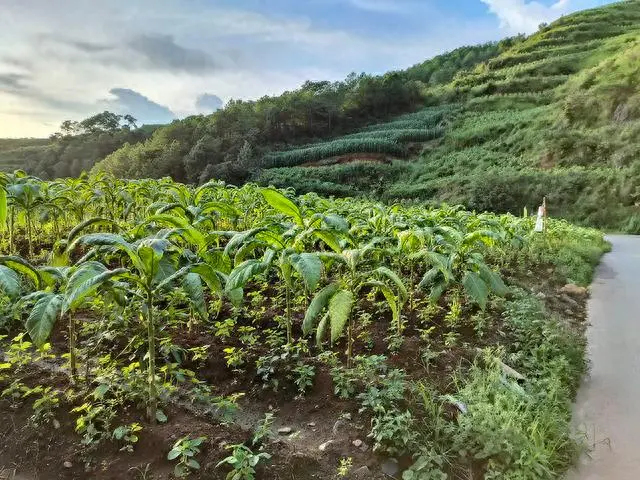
(557, 115)
(235, 141)
(494, 126)
(75, 149)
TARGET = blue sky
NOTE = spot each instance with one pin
(164, 59)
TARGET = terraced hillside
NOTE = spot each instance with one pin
(557, 114)
(9, 160)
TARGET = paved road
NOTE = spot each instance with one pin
(608, 404)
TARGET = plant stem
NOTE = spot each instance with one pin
(350, 341)
(72, 347)
(289, 326)
(11, 227)
(29, 235)
(151, 339)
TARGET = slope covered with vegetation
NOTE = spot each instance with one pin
(501, 126)
(150, 329)
(555, 115)
(235, 141)
(77, 147)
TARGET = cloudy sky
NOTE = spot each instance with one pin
(165, 59)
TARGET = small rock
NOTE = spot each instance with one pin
(340, 423)
(567, 299)
(311, 424)
(67, 464)
(325, 445)
(391, 467)
(549, 271)
(541, 295)
(357, 443)
(285, 431)
(573, 289)
(362, 473)
(364, 447)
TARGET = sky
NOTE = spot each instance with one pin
(165, 59)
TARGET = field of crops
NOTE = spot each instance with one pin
(391, 138)
(154, 330)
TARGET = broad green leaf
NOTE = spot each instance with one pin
(238, 239)
(43, 317)
(192, 284)
(192, 234)
(244, 272)
(9, 282)
(437, 290)
(319, 302)
(92, 222)
(160, 416)
(340, 307)
(236, 296)
(87, 285)
(493, 279)
(165, 269)
(330, 239)
(117, 242)
(336, 222)
(151, 251)
(391, 298)
(309, 267)
(397, 281)
(224, 208)
(282, 204)
(429, 277)
(476, 288)
(214, 279)
(98, 239)
(177, 275)
(20, 265)
(100, 390)
(321, 332)
(83, 273)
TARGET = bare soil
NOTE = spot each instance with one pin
(56, 453)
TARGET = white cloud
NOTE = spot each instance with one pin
(60, 60)
(521, 16)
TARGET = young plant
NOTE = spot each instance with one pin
(243, 461)
(128, 434)
(154, 264)
(339, 298)
(184, 450)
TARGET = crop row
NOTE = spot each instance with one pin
(335, 148)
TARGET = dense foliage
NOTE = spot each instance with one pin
(165, 289)
(494, 127)
(555, 115)
(77, 147)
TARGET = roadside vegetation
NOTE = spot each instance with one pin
(151, 329)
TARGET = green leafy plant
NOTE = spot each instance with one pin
(243, 461)
(127, 434)
(184, 451)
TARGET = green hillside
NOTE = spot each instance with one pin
(76, 148)
(494, 126)
(556, 115)
(246, 135)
